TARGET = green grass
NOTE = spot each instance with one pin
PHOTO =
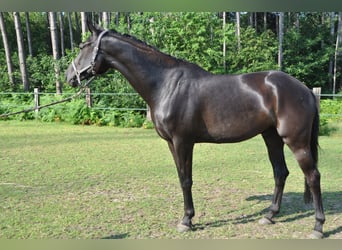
(60, 181)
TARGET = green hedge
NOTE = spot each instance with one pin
(73, 112)
(331, 113)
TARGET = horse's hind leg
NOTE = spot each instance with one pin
(308, 165)
(275, 147)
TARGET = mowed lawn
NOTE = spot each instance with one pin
(59, 181)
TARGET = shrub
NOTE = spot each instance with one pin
(330, 112)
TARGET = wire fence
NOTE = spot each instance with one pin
(33, 99)
(115, 101)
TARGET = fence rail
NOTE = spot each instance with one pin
(36, 100)
(35, 96)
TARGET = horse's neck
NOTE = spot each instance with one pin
(144, 67)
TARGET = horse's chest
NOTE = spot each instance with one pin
(164, 122)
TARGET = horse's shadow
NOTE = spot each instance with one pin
(116, 236)
(293, 208)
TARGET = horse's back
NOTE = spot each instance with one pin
(237, 107)
(232, 108)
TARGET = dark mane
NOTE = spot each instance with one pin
(143, 45)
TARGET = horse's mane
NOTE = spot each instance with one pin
(143, 45)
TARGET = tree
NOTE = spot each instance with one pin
(280, 40)
(332, 33)
(105, 19)
(7, 50)
(252, 42)
(238, 30)
(55, 49)
(224, 41)
(337, 49)
(71, 33)
(306, 57)
(84, 24)
(28, 32)
(21, 51)
(61, 31)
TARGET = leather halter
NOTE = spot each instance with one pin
(91, 67)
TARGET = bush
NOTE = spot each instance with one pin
(332, 109)
(74, 112)
(330, 112)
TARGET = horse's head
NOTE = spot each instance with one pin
(90, 61)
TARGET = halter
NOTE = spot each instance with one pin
(91, 67)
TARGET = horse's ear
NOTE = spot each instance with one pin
(91, 27)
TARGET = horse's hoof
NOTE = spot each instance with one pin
(316, 235)
(265, 221)
(181, 228)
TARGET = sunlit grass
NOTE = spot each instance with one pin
(69, 182)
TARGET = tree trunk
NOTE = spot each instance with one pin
(71, 32)
(331, 61)
(251, 19)
(128, 18)
(297, 21)
(238, 30)
(77, 23)
(84, 25)
(117, 18)
(105, 20)
(55, 49)
(61, 31)
(28, 32)
(224, 41)
(337, 52)
(21, 51)
(265, 21)
(7, 51)
(280, 40)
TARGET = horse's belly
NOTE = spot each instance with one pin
(236, 128)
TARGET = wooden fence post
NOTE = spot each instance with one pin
(317, 92)
(36, 100)
(148, 113)
(89, 99)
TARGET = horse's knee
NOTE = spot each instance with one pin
(186, 183)
(280, 175)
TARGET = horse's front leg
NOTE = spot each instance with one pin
(182, 153)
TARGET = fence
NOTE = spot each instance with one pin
(36, 99)
(141, 106)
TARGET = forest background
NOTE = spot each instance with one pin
(37, 47)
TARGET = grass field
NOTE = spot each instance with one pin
(60, 181)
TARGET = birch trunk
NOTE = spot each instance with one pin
(84, 25)
(21, 51)
(61, 31)
(55, 49)
(28, 31)
(71, 33)
(280, 40)
(7, 51)
(337, 49)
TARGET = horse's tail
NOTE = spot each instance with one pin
(314, 148)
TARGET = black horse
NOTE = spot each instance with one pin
(190, 105)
